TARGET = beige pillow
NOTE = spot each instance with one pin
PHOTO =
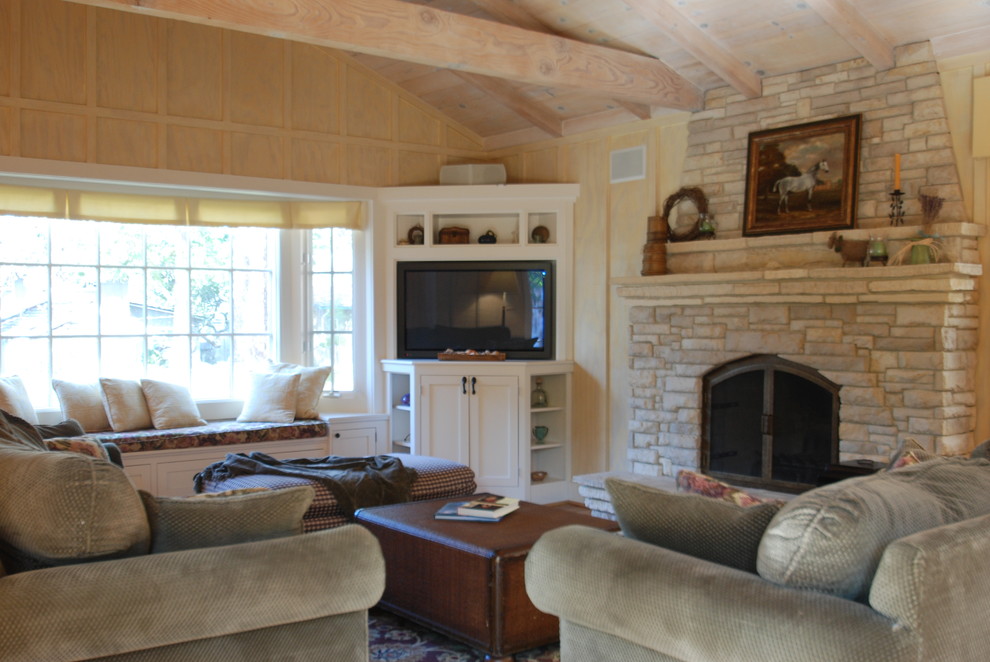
(170, 405)
(272, 398)
(84, 403)
(14, 399)
(124, 401)
(311, 383)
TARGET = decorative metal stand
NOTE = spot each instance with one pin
(896, 207)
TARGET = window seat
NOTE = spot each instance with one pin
(214, 433)
(164, 462)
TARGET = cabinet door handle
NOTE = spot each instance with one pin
(474, 380)
(463, 385)
(336, 435)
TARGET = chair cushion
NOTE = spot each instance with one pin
(225, 518)
(830, 539)
(703, 527)
(64, 508)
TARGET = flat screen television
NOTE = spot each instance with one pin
(502, 306)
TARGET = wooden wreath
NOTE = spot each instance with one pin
(695, 195)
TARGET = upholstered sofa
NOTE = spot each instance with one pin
(93, 569)
(889, 567)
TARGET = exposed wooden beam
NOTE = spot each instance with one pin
(665, 16)
(510, 96)
(512, 13)
(407, 31)
(845, 19)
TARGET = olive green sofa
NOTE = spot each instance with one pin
(889, 567)
(95, 570)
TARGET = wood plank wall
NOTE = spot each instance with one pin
(92, 85)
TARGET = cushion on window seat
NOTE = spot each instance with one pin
(216, 433)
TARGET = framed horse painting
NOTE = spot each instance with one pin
(802, 178)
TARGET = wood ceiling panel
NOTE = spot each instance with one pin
(745, 41)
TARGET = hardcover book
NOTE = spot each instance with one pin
(490, 506)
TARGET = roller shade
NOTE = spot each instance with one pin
(171, 210)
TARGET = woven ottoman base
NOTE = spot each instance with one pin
(436, 478)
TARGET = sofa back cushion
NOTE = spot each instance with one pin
(831, 538)
(712, 529)
(63, 508)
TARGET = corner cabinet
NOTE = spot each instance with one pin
(479, 413)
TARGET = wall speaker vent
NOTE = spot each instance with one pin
(628, 164)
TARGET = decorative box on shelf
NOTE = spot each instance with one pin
(454, 235)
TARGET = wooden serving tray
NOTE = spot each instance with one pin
(464, 356)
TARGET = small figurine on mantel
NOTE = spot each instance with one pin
(853, 251)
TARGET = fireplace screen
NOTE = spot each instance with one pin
(770, 423)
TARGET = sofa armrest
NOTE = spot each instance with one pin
(932, 581)
(111, 607)
(697, 611)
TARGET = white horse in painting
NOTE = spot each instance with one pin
(806, 182)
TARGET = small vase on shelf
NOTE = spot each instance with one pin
(538, 399)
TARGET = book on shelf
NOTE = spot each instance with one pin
(488, 506)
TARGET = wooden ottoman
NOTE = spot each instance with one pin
(466, 579)
(436, 478)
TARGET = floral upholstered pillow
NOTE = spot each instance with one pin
(695, 483)
(81, 445)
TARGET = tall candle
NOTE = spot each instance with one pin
(897, 172)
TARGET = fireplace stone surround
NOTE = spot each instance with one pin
(900, 341)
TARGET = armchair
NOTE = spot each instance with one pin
(94, 570)
(884, 568)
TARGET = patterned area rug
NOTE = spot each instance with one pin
(393, 639)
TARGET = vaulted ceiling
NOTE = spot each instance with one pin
(518, 71)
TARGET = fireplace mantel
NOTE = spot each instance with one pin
(927, 283)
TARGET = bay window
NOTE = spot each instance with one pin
(189, 304)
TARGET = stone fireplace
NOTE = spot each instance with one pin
(898, 341)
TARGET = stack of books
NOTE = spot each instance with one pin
(482, 508)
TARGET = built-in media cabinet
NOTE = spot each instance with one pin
(479, 413)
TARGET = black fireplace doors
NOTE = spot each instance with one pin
(769, 422)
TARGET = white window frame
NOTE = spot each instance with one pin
(43, 172)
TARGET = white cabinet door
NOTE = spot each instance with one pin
(443, 425)
(493, 435)
(353, 442)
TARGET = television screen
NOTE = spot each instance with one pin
(505, 306)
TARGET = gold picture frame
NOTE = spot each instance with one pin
(802, 178)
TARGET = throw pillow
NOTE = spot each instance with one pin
(696, 483)
(237, 516)
(272, 398)
(171, 405)
(125, 404)
(14, 399)
(831, 538)
(710, 529)
(66, 508)
(84, 403)
(81, 445)
(311, 383)
(908, 452)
